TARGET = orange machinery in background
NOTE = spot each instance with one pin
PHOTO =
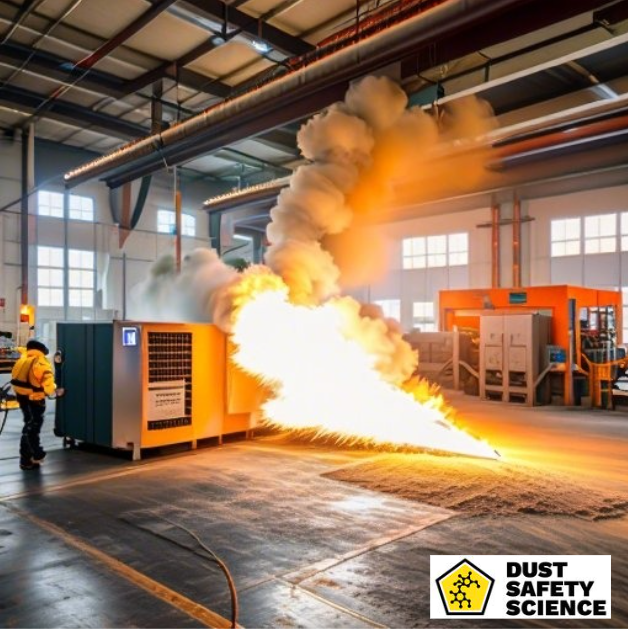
(577, 314)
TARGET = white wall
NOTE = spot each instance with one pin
(142, 247)
(599, 270)
(538, 268)
(415, 285)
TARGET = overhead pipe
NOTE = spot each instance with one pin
(337, 69)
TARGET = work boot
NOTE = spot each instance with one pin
(39, 458)
(29, 465)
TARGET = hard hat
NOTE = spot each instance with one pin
(35, 344)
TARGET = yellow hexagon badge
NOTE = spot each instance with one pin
(465, 589)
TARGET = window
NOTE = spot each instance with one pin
(188, 225)
(81, 208)
(423, 316)
(50, 204)
(600, 233)
(81, 278)
(49, 276)
(390, 307)
(565, 237)
(414, 253)
(458, 249)
(624, 231)
(50, 282)
(435, 251)
(166, 223)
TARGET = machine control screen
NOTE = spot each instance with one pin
(129, 337)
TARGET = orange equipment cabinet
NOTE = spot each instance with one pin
(463, 308)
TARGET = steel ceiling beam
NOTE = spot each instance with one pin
(60, 69)
(306, 91)
(183, 76)
(502, 28)
(71, 114)
(21, 14)
(219, 11)
(280, 140)
(126, 33)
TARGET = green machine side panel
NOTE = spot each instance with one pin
(102, 377)
(84, 413)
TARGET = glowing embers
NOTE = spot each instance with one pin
(325, 381)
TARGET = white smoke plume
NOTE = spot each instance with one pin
(186, 296)
(357, 150)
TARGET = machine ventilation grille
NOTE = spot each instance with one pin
(170, 359)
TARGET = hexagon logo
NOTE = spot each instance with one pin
(465, 589)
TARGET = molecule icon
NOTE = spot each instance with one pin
(460, 593)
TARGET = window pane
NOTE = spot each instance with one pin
(558, 230)
(437, 244)
(458, 242)
(418, 246)
(436, 260)
(558, 249)
(43, 256)
(74, 297)
(591, 227)
(571, 248)
(608, 245)
(56, 278)
(43, 296)
(592, 246)
(56, 257)
(608, 225)
(87, 298)
(458, 259)
(572, 228)
(56, 297)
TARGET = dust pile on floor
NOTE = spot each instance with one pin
(477, 487)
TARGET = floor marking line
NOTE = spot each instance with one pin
(338, 606)
(186, 605)
(296, 576)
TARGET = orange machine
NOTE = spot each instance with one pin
(577, 314)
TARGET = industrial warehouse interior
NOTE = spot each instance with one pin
(313, 313)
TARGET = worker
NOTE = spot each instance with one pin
(32, 379)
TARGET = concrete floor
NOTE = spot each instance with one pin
(93, 540)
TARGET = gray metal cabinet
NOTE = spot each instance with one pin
(512, 352)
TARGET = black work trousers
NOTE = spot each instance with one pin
(33, 412)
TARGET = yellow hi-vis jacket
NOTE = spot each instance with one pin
(32, 375)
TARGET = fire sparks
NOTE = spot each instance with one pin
(327, 382)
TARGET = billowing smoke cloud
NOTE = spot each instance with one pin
(186, 296)
(360, 152)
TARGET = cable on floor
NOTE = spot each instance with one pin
(219, 562)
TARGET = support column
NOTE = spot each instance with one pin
(177, 221)
(495, 248)
(66, 254)
(26, 188)
(516, 243)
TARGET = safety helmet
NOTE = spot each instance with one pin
(35, 344)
